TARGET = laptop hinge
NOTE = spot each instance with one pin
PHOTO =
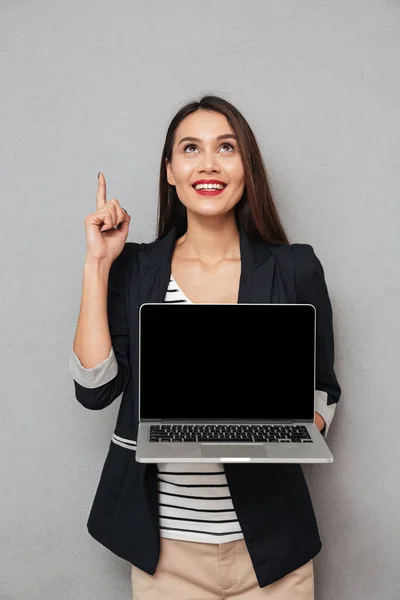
(222, 421)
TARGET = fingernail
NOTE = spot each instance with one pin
(98, 174)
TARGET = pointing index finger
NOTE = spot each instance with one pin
(101, 192)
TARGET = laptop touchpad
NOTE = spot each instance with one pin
(212, 450)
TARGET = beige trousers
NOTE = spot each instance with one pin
(197, 571)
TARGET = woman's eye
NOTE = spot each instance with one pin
(228, 144)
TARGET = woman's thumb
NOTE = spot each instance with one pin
(124, 225)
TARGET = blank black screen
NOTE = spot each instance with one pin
(227, 361)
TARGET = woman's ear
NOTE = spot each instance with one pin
(170, 177)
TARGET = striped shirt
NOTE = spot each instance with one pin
(194, 500)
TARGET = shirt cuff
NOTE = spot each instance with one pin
(327, 411)
(96, 376)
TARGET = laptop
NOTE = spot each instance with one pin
(228, 383)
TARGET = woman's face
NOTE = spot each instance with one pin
(205, 157)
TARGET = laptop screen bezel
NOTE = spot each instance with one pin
(222, 421)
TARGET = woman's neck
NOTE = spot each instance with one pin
(210, 240)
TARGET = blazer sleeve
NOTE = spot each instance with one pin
(99, 386)
(95, 376)
(311, 288)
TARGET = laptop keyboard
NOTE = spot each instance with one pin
(230, 433)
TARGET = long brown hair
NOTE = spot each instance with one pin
(255, 211)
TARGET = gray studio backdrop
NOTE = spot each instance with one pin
(92, 86)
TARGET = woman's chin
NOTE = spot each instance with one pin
(209, 210)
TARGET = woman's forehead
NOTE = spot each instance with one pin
(204, 124)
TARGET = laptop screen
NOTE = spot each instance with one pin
(227, 361)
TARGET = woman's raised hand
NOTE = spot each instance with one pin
(107, 228)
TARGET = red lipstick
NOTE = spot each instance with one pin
(209, 191)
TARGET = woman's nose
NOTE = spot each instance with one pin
(208, 161)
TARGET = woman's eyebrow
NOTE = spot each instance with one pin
(219, 137)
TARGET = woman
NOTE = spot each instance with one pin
(209, 531)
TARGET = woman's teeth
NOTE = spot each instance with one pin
(209, 186)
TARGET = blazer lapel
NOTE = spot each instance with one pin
(258, 272)
(259, 280)
(155, 268)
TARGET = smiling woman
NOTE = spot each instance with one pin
(220, 529)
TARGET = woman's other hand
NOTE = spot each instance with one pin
(319, 421)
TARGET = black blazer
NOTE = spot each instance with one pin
(272, 501)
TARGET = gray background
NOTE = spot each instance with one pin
(92, 86)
